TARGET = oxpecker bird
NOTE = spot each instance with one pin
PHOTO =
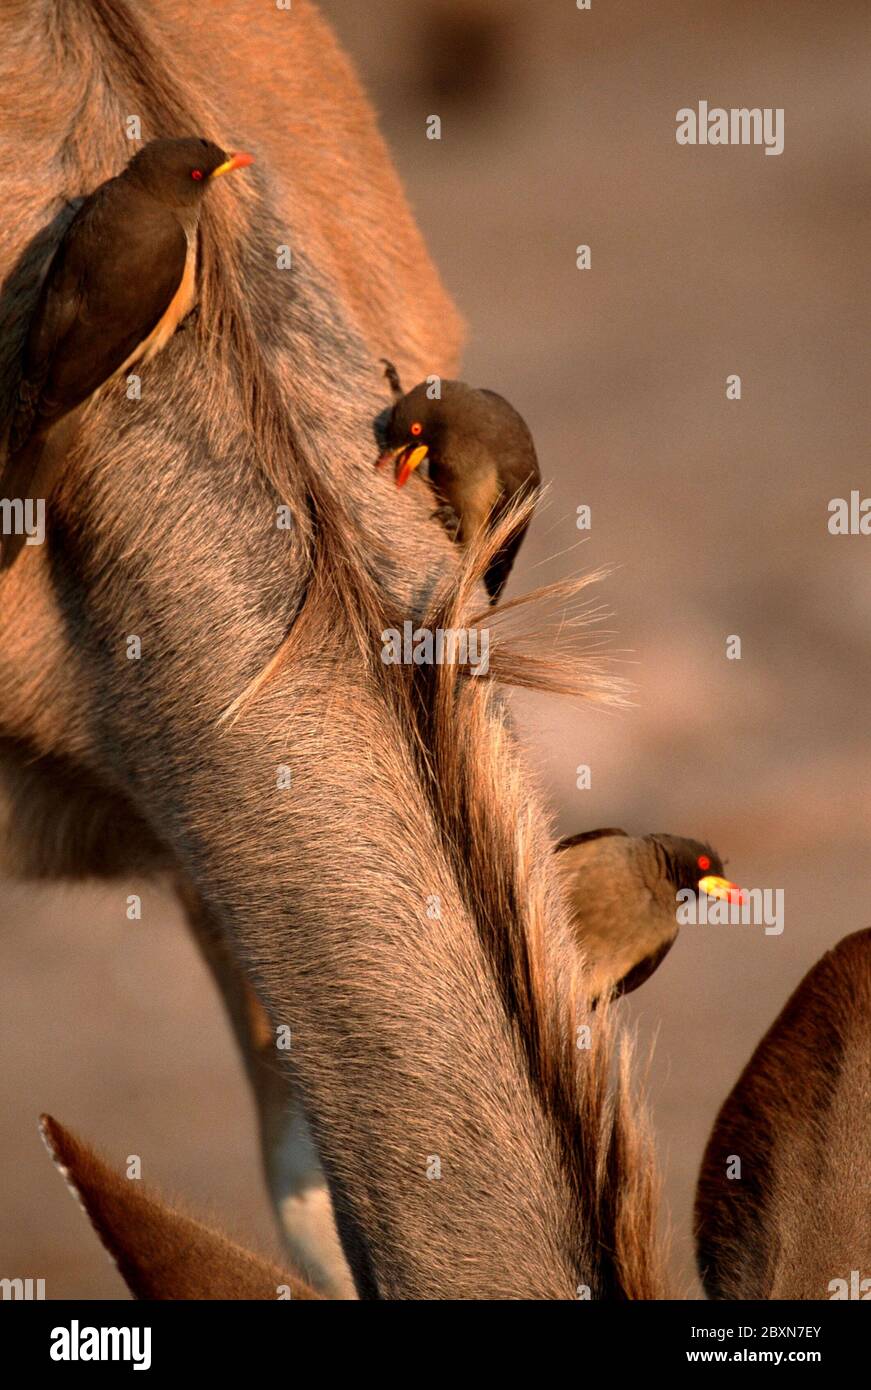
(623, 896)
(479, 454)
(121, 280)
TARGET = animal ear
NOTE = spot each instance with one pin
(159, 1252)
(782, 1199)
(621, 948)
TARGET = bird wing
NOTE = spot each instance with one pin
(503, 561)
(111, 280)
(619, 925)
(527, 471)
(585, 835)
(55, 313)
(502, 564)
(519, 476)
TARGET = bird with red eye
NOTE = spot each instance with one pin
(479, 453)
(122, 278)
(622, 895)
(715, 884)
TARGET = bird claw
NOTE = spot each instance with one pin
(392, 378)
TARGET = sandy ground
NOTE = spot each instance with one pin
(705, 262)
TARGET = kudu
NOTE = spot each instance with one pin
(167, 597)
(791, 1222)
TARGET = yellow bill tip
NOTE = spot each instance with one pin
(716, 887)
(410, 459)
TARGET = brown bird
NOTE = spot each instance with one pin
(480, 457)
(121, 280)
(622, 892)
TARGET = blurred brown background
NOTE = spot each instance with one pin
(559, 129)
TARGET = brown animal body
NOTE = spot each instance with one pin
(413, 1036)
(796, 1220)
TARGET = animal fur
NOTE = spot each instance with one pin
(414, 1037)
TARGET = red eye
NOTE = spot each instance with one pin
(417, 428)
(703, 862)
(196, 173)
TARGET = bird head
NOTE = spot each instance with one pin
(464, 433)
(411, 431)
(693, 865)
(179, 171)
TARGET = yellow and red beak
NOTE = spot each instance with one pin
(406, 458)
(717, 887)
(236, 161)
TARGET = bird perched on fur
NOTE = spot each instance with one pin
(121, 280)
(479, 454)
(623, 891)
